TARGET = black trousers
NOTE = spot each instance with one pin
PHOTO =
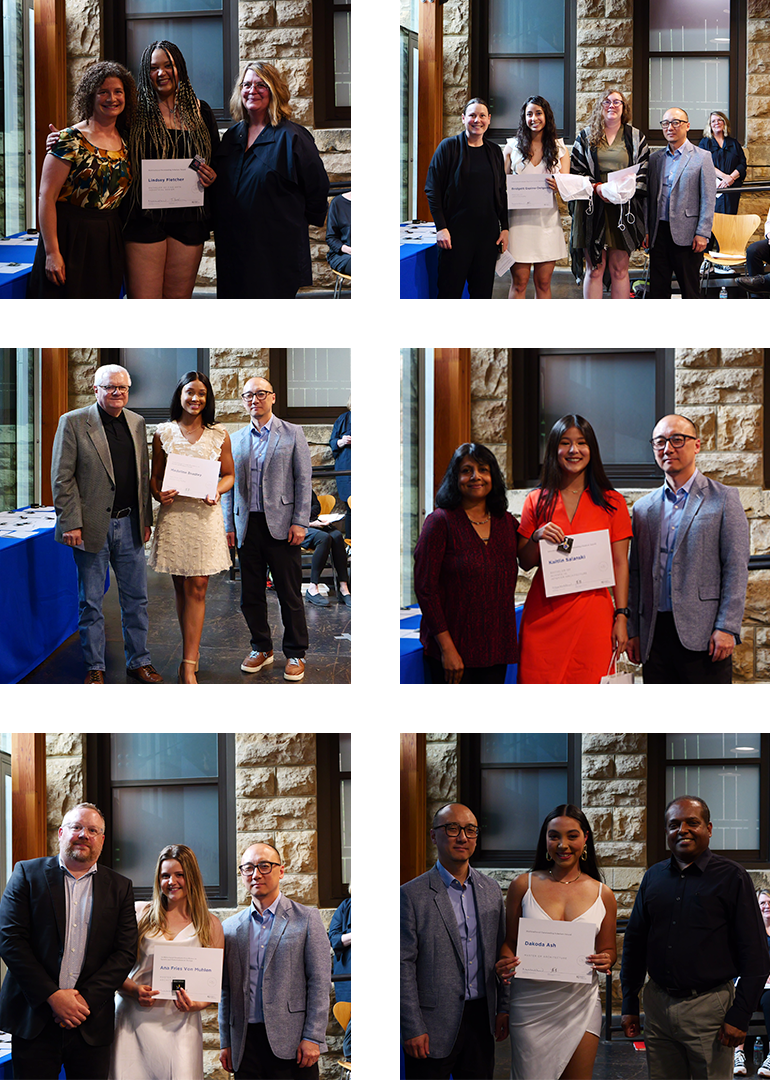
(321, 542)
(670, 662)
(43, 1057)
(757, 255)
(667, 258)
(471, 258)
(259, 551)
(260, 1063)
(472, 1056)
(478, 675)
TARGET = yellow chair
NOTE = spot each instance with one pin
(327, 503)
(341, 1012)
(732, 232)
(340, 279)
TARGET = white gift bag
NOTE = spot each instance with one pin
(614, 677)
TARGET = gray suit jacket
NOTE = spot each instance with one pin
(83, 480)
(691, 211)
(285, 481)
(709, 570)
(432, 965)
(295, 986)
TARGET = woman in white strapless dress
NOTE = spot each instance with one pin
(163, 1040)
(555, 1026)
(189, 540)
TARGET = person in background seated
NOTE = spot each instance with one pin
(739, 1063)
(338, 234)
(757, 279)
(322, 539)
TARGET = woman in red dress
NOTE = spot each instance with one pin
(571, 638)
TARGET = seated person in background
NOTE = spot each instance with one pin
(757, 279)
(338, 234)
(321, 539)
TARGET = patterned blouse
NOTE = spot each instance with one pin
(98, 178)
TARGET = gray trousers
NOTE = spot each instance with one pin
(680, 1034)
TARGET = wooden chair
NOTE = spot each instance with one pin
(341, 1012)
(327, 503)
(732, 232)
(340, 280)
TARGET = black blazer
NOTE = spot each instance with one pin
(448, 173)
(32, 931)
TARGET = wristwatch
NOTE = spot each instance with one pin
(622, 611)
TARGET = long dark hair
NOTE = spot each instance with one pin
(209, 409)
(524, 135)
(591, 865)
(448, 496)
(597, 482)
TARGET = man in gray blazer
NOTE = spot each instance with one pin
(100, 476)
(452, 926)
(689, 567)
(267, 514)
(276, 979)
(681, 192)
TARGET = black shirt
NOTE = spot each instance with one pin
(123, 454)
(695, 929)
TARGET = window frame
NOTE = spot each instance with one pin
(332, 890)
(470, 793)
(99, 788)
(326, 114)
(155, 414)
(279, 377)
(737, 54)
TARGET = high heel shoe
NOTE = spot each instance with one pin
(179, 678)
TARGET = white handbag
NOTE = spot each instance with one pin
(615, 678)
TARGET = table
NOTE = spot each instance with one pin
(419, 272)
(14, 286)
(39, 606)
(412, 666)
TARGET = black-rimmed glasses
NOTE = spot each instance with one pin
(264, 868)
(677, 441)
(260, 395)
(453, 829)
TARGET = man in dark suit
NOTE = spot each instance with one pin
(267, 514)
(452, 926)
(681, 193)
(68, 937)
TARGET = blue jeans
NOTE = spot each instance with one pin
(124, 550)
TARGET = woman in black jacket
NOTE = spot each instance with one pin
(729, 162)
(467, 196)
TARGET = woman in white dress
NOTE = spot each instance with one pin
(535, 237)
(555, 1026)
(189, 540)
(163, 1040)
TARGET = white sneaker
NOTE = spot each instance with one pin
(764, 1068)
(739, 1064)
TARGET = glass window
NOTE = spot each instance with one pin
(19, 370)
(333, 800)
(345, 807)
(409, 72)
(17, 102)
(342, 58)
(416, 457)
(318, 378)
(200, 40)
(331, 64)
(689, 26)
(154, 375)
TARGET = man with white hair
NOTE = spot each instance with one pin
(100, 475)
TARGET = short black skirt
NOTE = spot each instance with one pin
(91, 244)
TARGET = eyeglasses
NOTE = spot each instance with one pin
(114, 389)
(611, 103)
(672, 123)
(260, 395)
(453, 829)
(264, 868)
(677, 441)
(90, 831)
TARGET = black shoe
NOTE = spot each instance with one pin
(755, 283)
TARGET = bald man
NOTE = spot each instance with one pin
(689, 567)
(681, 192)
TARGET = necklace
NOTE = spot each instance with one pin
(563, 881)
(478, 524)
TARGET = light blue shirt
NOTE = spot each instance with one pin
(78, 899)
(670, 173)
(260, 929)
(463, 901)
(672, 508)
(257, 451)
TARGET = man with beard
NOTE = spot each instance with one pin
(68, 937)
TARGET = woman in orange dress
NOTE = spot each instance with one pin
(571, 638)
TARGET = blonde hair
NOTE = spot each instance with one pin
(717, 112)
(596, 122)
(279, 107)
(153, 917)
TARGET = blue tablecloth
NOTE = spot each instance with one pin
(412, 665)
(419, 272)
(14, 286)
(39, 605)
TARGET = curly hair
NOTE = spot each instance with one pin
(448, 496)
(93, 77)
(590, 865)
(279, 107)
(524, 135)
(153, 917)
(597, 482)
(709, 134)
(596, 122)
(208, 411)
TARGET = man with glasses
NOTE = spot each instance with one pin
(452, 926)
(276, 979)
(689, 567)
(68, 937)
(100, 475)
(267, 514)
(681, 193)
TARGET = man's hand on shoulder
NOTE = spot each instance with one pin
(501, 1027)
(632, 1027)
(69, 1008)
(730, 1036)
(721, 645)
(308, 1053)
(417, 1047)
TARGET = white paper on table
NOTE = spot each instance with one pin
(170, 182)
(555, 951)
(327, 519)
(30, 239)
(409, 613)
(504, 262)
(201, 970)
(587, 566)
(194, 477)
(573, 187)
(14, 267)
(529, 191)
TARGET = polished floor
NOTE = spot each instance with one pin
(224, 644)
(564, 287)
(616, 1060)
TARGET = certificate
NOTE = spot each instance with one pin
(582, 562)
(200, 970)
(555, 951)
(194, 477)
(170, 182)
(529, 191)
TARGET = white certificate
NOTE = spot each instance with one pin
(555, 951)
(194, 477)
(170, 182)
(200, 969)
(583, 562)
(529, 191)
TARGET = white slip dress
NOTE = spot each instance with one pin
(535, 236)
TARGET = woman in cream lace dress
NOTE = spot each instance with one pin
(189, 538)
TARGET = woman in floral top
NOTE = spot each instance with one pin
(85, 176)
